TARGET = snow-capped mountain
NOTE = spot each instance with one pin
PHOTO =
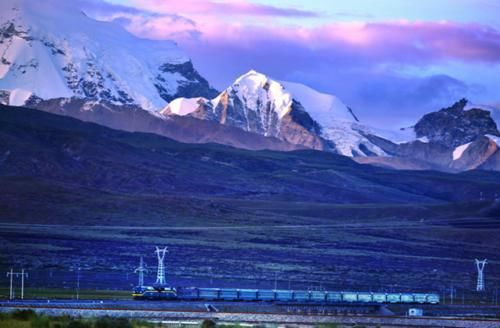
(339, 124)
(51, 49)
(456, 125)
(459, 137)
(288, 111)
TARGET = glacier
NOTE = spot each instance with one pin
(51, 49)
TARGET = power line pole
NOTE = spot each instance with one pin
(211, 276)
(78, 282)
(275, 280)
(11, 274)
(23, 274)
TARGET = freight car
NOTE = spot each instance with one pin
(287, 296)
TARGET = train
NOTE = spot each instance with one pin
(284, 296)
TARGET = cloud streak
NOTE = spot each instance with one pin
(408, 42)
(230, 8)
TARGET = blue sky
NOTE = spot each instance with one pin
(466, 11)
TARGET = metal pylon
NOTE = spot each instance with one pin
(141, 270)
(480, 274)
(160, 275)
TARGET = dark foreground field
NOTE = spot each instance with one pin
(233, 315)
(75, 194)
(29, 318)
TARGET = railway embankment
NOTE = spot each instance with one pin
(198, 314)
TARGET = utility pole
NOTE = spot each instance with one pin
(23, 274)
(275, 280)
(11, 274)
(211, 276)
(78, 282)
(452, 294)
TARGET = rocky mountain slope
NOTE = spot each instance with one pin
(51, 49)
(457, 138)
(456, 125)
(61, 150)
(288, 111)
(134, 119)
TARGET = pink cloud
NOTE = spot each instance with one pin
(234, 7)
(407, 42)
(396, 41)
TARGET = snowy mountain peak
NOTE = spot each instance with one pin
(53, 40)
(254, 76)
(256, 90)
(184, 106)
(326, 109)
(288, 111)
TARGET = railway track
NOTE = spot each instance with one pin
(252, 317)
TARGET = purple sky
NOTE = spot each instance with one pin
(390, 60)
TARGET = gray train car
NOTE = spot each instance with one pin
(379, 297)
(266, 295)
(365, 297)
(284, 295)
(393, 298)
(209, 293)
(407, 298)
(301, 296)
(249, 294)
(334, 297)
(229, 294)
(350, 297)
(317, 296)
